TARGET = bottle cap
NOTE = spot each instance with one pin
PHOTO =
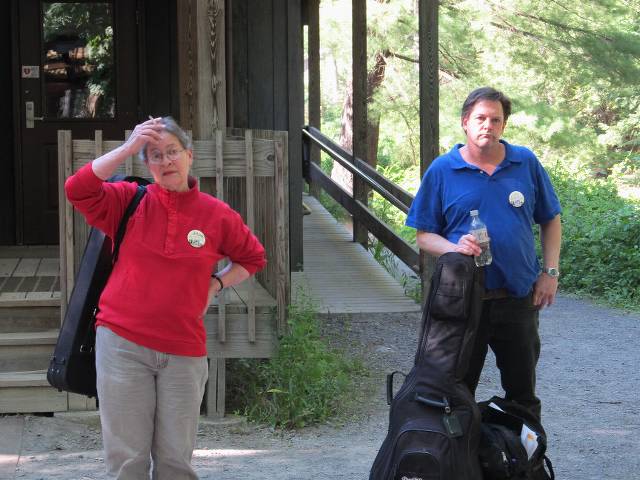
(473, 212)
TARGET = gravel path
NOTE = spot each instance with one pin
(588, 377)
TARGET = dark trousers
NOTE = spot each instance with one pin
(510, 327)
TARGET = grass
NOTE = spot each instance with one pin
(306, 382)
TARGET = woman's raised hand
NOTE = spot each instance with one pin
(143, 133)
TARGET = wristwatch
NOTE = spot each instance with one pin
(551, 271)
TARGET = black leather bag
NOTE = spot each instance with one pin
(72, 367)
(434, 421)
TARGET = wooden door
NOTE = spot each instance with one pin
(77, 71)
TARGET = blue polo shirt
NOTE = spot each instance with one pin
(452, 187)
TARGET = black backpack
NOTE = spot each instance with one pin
(72, 367)
(502, 452)
(434, 421)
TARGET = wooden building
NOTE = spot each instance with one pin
(82, 74)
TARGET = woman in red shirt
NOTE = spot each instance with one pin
(151, 342)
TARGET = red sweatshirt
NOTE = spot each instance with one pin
(159, 286)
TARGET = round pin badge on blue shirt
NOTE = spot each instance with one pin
(516, 199)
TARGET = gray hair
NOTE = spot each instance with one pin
(172, 127)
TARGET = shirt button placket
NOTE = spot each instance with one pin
(172, 226)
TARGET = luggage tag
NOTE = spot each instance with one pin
(452, 425)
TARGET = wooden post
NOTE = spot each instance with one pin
(295, 122)
(283, 279)
(187, 62)
(359, 67)
(429, 107)
(201, 67)
(65, 212)
(217, 20)
(128, 163)
(313, 7)
(251, 301)
(222, 296)
(216, 387)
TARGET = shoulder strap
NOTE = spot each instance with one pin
(133, 204)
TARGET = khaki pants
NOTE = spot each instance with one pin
(149, 408)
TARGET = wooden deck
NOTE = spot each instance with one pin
(29, 275)
(341, 277)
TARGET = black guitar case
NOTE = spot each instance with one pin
(434, 421)
(72, 367)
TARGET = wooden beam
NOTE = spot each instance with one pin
(360, 126)
(201, 67)
(187, 62)
(251, 223)
(216, 388)
(429, 107)
(296, 121)
(313, 11)
(205, 83)
(130, 161)
(429, 88)
(65, 218)
(283, 268)
(222, 295)
(219, 80)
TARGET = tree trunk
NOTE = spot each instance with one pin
(374, 79)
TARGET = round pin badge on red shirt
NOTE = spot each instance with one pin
(196, 238)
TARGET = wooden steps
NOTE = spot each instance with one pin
(29, 392)
(29, 326)
(26, 351)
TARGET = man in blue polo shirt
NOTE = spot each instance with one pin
(511, 190)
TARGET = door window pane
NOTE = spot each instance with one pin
(78, 67)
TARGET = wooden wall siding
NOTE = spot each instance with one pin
(159, 64)
(201, 66)
(255, 188)
(267, 90)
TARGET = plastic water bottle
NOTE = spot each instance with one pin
(479, 230)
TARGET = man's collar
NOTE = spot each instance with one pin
(458, 163)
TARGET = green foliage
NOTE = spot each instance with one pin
(571, 70)
(601, 240)
(306, 382)
(69, 19)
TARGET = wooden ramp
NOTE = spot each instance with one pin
(341, 277)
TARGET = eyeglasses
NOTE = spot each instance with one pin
(172, 155)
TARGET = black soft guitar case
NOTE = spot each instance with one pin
(434, 421)
(72, 367)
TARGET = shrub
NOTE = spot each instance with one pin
(601, 240)
(305, 382)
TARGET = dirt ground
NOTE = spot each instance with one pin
(588, 379)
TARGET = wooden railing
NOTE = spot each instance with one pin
(394, 194)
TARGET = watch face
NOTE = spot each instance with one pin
(552, 271)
